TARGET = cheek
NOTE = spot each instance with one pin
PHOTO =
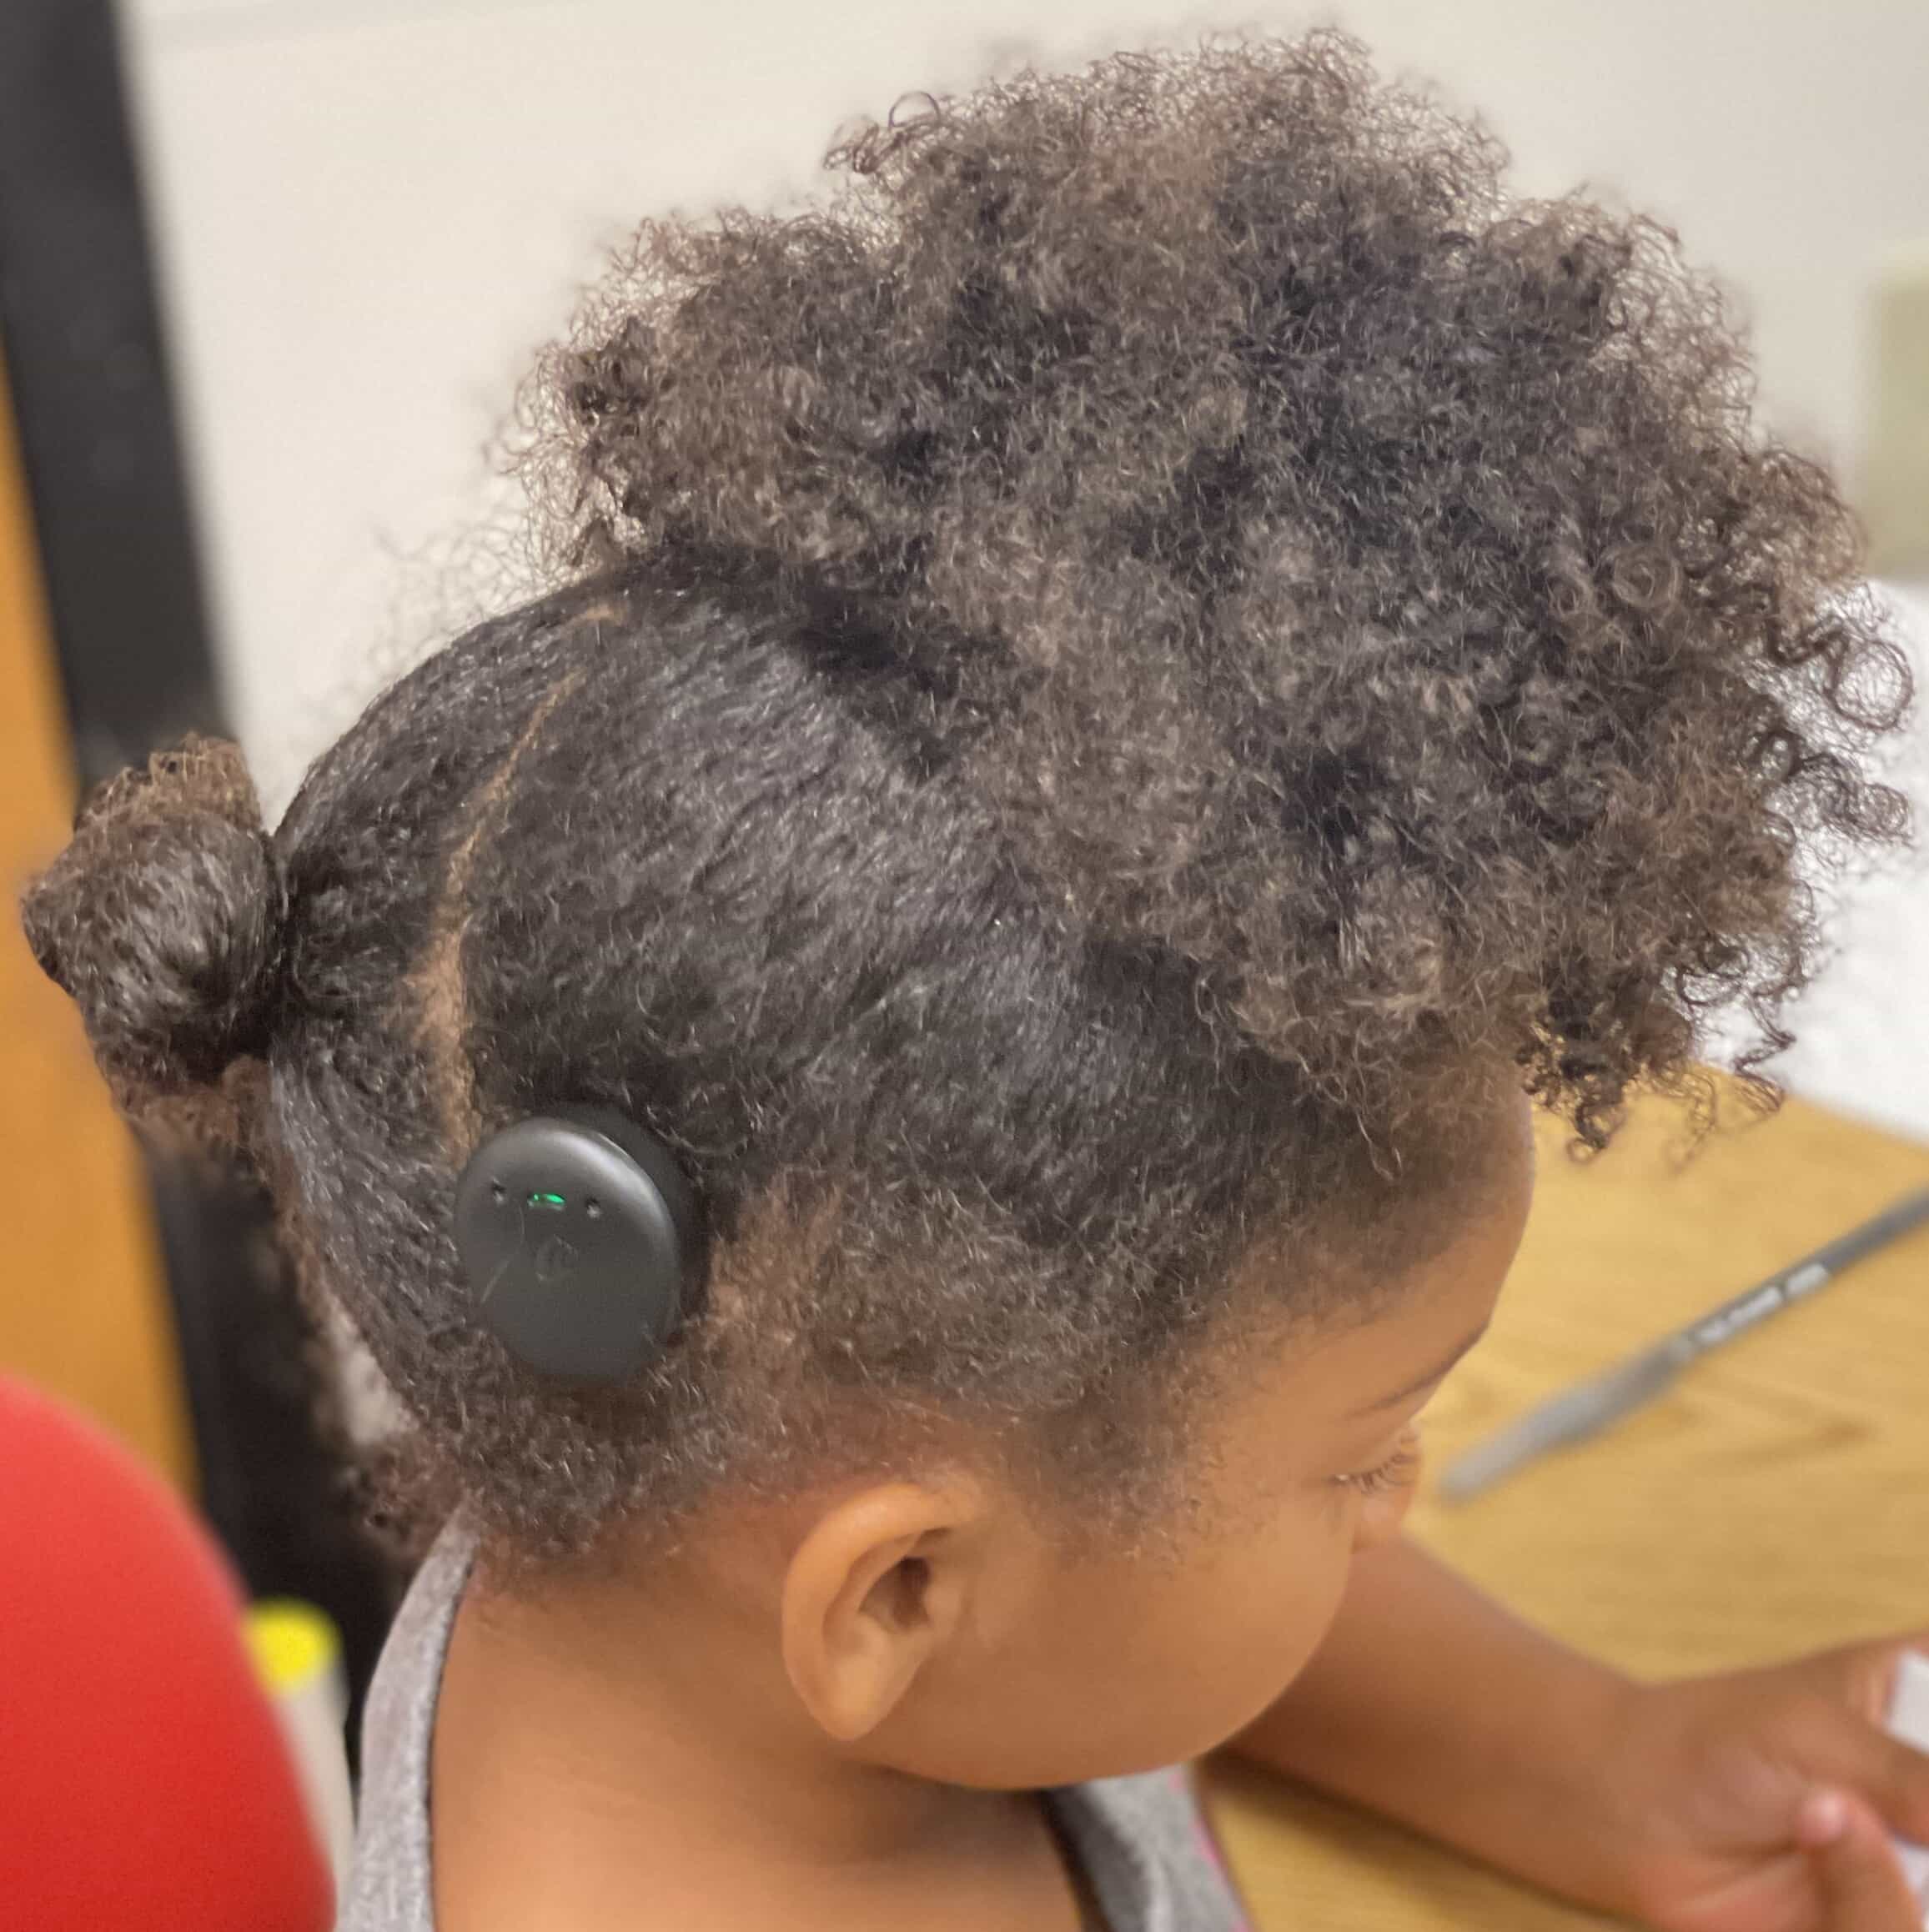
(1137, 1666)
(1243, 1626)
(1377, 1519)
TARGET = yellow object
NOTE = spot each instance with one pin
(1775, 1500)
(298, 1655)
(292, 1643)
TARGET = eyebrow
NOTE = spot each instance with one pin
(1426, 1380)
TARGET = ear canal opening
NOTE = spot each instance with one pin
(900, 1591)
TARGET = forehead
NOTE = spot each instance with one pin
(1325, 1375)
(1375, 1370)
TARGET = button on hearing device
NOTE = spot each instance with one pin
(580, 1241)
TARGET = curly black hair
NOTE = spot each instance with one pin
(1087, 678)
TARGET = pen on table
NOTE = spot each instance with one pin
(1580, 1411)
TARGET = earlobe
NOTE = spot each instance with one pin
(874, 1592)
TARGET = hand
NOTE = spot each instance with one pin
(1721, 1786)
(1704, 1806)
(1857, 1880)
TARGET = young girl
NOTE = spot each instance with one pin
(1122, 700)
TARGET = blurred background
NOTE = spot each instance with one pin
(270, 273)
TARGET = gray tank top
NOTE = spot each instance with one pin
(1141, 1840)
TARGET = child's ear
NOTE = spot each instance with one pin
(877, 1590)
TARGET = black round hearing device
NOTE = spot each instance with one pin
(580, 1240)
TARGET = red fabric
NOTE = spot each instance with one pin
(145, 1785)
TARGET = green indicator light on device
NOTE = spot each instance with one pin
(547, 1200)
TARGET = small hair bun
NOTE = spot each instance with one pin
(165, 919)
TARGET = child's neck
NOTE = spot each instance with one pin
(601, 1760)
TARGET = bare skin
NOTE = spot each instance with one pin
(839, 1710)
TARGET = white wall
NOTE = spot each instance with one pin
(372, 211)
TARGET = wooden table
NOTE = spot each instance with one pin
(1775, 1501)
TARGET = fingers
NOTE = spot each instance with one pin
(1861, 1884)
(1862, 1675)
(1872, 1669)
(1881, 1668)
(1856, 1752)
(1897, 1782)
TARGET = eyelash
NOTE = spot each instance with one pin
(1397, 1472)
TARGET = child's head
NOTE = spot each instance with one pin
(1134, 688)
